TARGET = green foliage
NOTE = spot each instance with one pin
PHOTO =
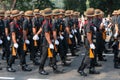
(106, 5)
(27, 4)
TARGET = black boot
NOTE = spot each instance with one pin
(42, 71)
(55, 70)
(82, 73)
(97, 65)
(93, 71)
(65, 63)
(73, 53)
(35, 62)
(10, 69)
(116, 65)
(26, 68)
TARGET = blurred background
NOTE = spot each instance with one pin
(79, 5)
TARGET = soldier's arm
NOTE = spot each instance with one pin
(47, 36)
(25, 30)
(6, 31)
(89, 37)
(13, 34)
(39, 31)
(116, 28)
(68, 30)
(14, 37)
(34, 30)
(25, 34)
(6, 28)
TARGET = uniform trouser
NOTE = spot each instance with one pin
(6, 47)
(33, 49)
(45, 55)
(78, 36)
(116, 52)
(21, 55)
(71, 46)
(62, 49)
(99, 45)
(39, 44)
(86, 62)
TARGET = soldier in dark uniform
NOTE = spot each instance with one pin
(68, 34)
(47, 42)
(29, 29)
(17, 41)
(60, 40)
(7, 35)
(115, 46)
(99, 39)
(76, 28)
(90, 31)
(2, 31)
(36, 23)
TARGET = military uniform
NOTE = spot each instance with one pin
(69, 37)
(17, 44)
(90, 47)
(59, 25)
(47, 37)
(115, 45)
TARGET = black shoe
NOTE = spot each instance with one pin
(82, 73)
(75, 55)
(43, 72)
(106, 51)
(102, 59)
(26, 68)
(0, 68)
(97, 65)
(36, 63)
(66, 64)
(57, 71)
(68, 59)
(94, 72)
(10, 69)
(117, 66)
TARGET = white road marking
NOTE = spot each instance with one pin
(7, 78)
(103, 54)
(38, 79)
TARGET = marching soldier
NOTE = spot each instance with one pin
(29, 31)
(2, 31)
(60, 40)
(17, 43)
(89, 58)
(76, 28)
(47, 42)
(70, 37)
(7, 35)
(36, 26)
(116, 46)
(99, 37)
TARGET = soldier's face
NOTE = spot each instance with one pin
(60, 16)
(1, 17)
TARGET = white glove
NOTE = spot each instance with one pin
(51, 46)
(115, 35)
(92, 46)
(56, 42)
(15, 45)
(61, 37)
(1, 41)
(8, 38)
(27, 41)
(35, 37)
(95, 29)
(70, 36)
(75, 30)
